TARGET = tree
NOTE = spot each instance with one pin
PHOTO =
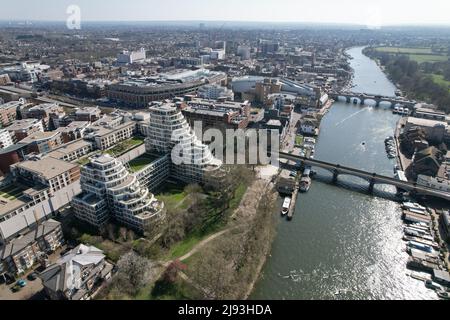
(133, 272)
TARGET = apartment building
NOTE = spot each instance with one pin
(73, 131)
(214, 92)
(169, 129)
(217, 113)
(53, 173)
(107, 132)
(110, 191)
(72, 151)
(50, 113)
(90, 114)
(5, 139)
(20, 129)
(42, 142)
(8, 112)
(21, 253)
(155, 172)
(77, 274)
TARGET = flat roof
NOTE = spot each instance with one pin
(47, 167)
(68, 148)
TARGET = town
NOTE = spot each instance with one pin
(93, 205)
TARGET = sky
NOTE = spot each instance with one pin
(363, 12)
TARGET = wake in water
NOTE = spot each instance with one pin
(352, 115)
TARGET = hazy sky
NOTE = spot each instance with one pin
(366, 12)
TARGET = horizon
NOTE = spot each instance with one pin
(370, 13)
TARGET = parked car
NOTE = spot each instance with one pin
(32, 276)
(21, 283)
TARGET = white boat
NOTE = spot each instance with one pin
(286, 206)
(433, 285)
(413, 205)
(443, 294)
(305, 184)
(420, 276)
(420, 246)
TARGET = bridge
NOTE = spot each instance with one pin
(362, 98)
(371, 178)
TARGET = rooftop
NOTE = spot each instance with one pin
(47, 167)
(22, 242)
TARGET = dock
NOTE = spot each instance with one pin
(290, 214)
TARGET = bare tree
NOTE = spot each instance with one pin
(134, 271)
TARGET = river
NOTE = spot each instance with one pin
(344, 244)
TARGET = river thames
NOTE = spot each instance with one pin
(341, 243)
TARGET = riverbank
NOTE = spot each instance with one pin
(240, 255)
(344, 244)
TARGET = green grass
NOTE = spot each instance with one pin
(195, 237)
(124, 146)
(299, 140)
(141, 162)
(83, 161)
(420, 55)
(421, 58)
(405, 50)
(11, 192)
(439, 79)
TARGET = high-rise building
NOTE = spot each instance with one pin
(110, 191)
(168, 129)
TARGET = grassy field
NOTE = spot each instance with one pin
(187, 244)
(141, 162)
(405, 50)
(420, 55)
(172, 195)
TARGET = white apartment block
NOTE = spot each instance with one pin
(131, 56)
(110, 191)
(214, 92)
(169, 129)
(5, 139)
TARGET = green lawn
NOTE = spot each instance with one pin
(421, 58)
(439, 79)
(190, 241)
(420, 55)
(405, 50)
(172, 195)
(299, 140)
(11, 192)
(124, 146)
(141, 162)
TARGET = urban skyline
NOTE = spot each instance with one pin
(369, 13)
